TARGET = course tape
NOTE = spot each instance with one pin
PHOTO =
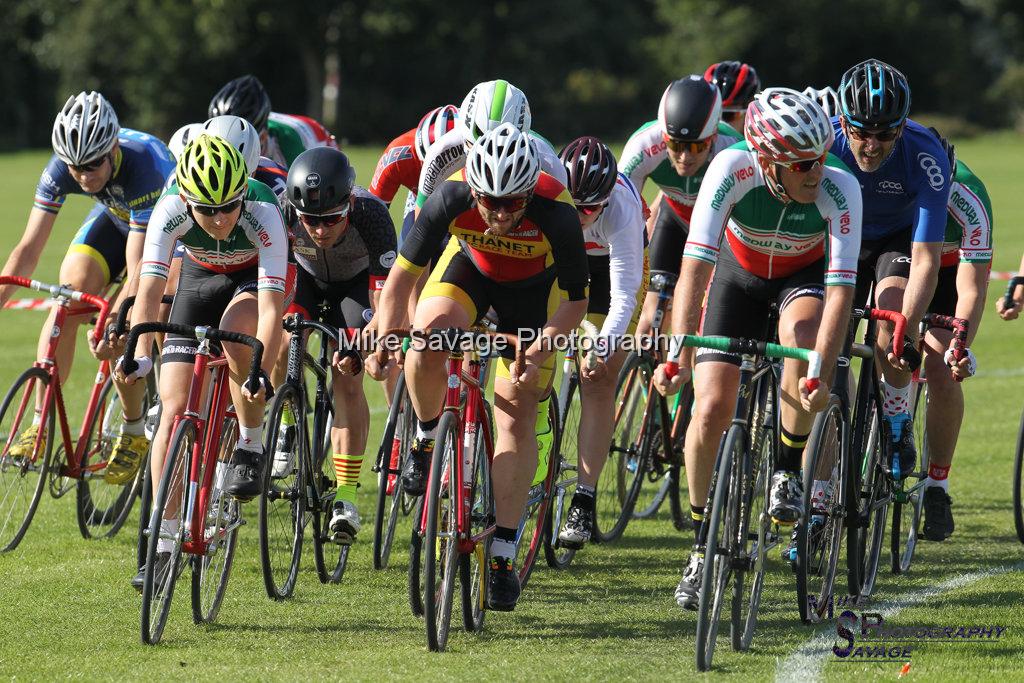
(29, 304)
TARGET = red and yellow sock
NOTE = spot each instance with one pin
(346, 469)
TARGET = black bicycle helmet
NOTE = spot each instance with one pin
(738, 83)
(690, 109)
(245, 96)
(320, 180)
(873, 94)
(591, 169)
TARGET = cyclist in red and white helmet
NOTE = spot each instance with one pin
(738, 83)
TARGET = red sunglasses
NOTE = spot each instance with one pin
(509, 204)
(328, 220)
(691, 146)
(805, 166)
(590, 209)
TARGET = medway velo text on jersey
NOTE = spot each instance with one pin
(140, 165)
(909, 190)
(769, 238)
(289, 135)
(969, 222)
(259, 238)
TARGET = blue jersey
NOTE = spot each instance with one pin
(909, 191)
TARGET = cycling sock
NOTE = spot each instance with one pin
(287, 416)
(792, 452)
(250, 438)
(938, 476)
(503, 543)
(897, 399)
(346, 469)
(135, 427)
(585, 490)
(696, 517)
(168, 528)
(427, 429)
(37, 418)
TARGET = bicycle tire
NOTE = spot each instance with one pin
(474, 568)
(875, 493)
(533, 524)
(679, 504)
(328, 568)
(158, 591)
(440, 557)
(567, 476)
(414, 583)
(18, 475)
(401, 422)
(906, 516)
(282, 505)
(1018, 482)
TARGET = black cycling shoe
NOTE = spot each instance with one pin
(161, 566)
(244, 476)
(504, 589)
(417, 467)
(901, 441)
(938, 517)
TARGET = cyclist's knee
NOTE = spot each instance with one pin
(82, 272)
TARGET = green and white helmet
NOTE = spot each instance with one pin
(490, 104)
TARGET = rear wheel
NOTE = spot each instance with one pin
(533, 525)
(875, 494)
(330, 558)
(474, 568)
(566, 478)
(1018, 483)
(909, 503)
(395, 444)
(440, 542)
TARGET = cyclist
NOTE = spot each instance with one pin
(344, 249)
(905, 179)
(962, 286)
(826, 98)
(124, 171)
(675, 151)
(612, 216)
(282, 136)
(515, 231)
(791, 214)
(738, 83)
(234, 277)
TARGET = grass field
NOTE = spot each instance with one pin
(67, 610)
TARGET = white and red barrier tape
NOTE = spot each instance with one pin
(29, 304)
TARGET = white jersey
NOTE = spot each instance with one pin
(447, 156)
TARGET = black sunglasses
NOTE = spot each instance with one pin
(207, 210)
(89, 167)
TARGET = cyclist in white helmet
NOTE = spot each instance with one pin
(518, 248)
(826, 98)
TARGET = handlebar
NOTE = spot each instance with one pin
(1015, 281)
(959, 327)
(744, 346)
(121, 321)
(193, 332)
(59, 291)
(296, 323)
(896, 318)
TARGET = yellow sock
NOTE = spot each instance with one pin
(346, 469)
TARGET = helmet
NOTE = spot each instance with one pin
(738, 83)
(246, 97)
(591, 169)
(783, 125)
(432, 126)
(239, 133)
(182, 136)
(320, 180)
(874, 95)
(690, 109)
(85, 129)
(490, 104)
(947, 147)
(211, 171)
(826, 99)
(504, 161)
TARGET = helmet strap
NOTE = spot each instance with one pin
(770, 171)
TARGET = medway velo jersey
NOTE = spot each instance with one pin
(646, 156)
(259, 238)
(448, 155)
(968, 236)
(289, 135)
(397, 167)
(368, 243)
(548, 239)
(909, 191)
(770, 238)
(140, 166)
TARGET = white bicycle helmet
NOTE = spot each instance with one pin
(182, 137)
(239, 133)
(85, 129)
(783, 126)
(503, 162)
(434, 124)
(490, 104)
(826, 98)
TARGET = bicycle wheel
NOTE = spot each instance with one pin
(170, 501)
(875, 496)
(909, 499)
(330, 567)
(415, 583)
(663, 463)
(440, 542)
(820, 536)
(566, 478)
(23, 478)
(394, 445)
(1018, 482)
(718, 551)
(282, 506)
(623, 474)
(474, 567)
(533, 524)
(145, 499)
(678, 496)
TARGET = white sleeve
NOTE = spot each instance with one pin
(168, 221)
(839, 202)
(720, 189)
(446, 156)
(268, 233)
(626, 259)
(643, 152)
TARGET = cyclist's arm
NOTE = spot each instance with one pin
(25, 256)
(444, 157)
(626, 264)
(924, 274)
(641, 155)
(688, 298)
(377, 231)
(971, 289)
(832, 331)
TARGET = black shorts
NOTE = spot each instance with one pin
(347, 302)
(102, 239)
(885, 257)
(945, 298)
(668, 240)
(739, 303)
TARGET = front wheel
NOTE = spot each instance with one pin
(875, 490)
(440, 537)
(566, 477)
(909, 503)
(533, 525)
(394, 447)
(1018, 484)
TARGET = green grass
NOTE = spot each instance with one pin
(66, 609)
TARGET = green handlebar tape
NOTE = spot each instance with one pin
(406, 343)
(729, 345)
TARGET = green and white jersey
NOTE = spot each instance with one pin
(771, 238)
(968, 236)
(646, 156)
(289, 135)
(258, 239)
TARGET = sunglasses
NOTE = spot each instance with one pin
(207, 210)
(507, 204)
(805, 166)
(693, 147)
(590, 209)
(882, 136)
(328, 220)
(89, 167)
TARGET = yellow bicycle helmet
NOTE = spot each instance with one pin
(211, 171)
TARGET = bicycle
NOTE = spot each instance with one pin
(1018, 461)
(306, 492)
(190, 512)
(740, 532)
(101, 508)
